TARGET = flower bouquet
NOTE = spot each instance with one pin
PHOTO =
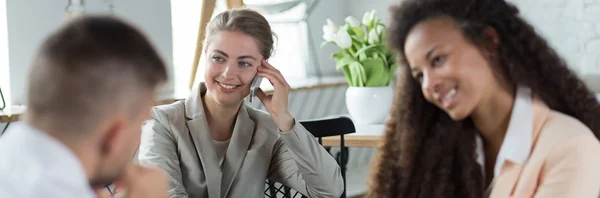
(364, 58)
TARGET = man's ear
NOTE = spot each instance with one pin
(113, 137)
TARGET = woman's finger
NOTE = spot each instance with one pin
(269, 66)
(278, 75)
(262, 96)
(274, 73)
(272, 79)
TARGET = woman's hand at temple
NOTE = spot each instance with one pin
(277, 102)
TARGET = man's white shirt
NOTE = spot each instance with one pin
(34, 165)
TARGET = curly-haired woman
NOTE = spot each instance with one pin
(484, 107)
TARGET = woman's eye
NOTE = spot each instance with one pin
(245, 64)
(438, 60)
(218, 59)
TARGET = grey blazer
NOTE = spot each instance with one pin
(177, 139)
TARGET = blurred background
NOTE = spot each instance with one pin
(319, 90)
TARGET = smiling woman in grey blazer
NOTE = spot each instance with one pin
(213, 145)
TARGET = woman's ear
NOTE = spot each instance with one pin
(492, 36)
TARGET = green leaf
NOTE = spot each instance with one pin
(337, 56)
(355, 31)
(358, 74)
(354, 75)
(357, 38)
(356, 45)
(373, 23)
(358, 31)
(363, 75)
(348, 75)
(377, 73)
(342, 61)
(383, 57)
(364, 49)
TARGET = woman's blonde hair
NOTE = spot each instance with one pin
(245, 21)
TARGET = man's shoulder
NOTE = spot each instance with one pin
(28, 170)
(20, 176)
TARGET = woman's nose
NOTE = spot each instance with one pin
(231, 69)
(431, 82)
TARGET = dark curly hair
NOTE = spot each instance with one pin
(424, 152)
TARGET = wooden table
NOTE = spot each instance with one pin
(12, 114)
(4, 117)
(365, 136)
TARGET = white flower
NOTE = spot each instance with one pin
(332, 25)
(368, 17)
(329, 37)
(373, 37)
(380, 29)
(365, 19)
(353, 22)
(342, 39)
(344, 27)
(330, 30)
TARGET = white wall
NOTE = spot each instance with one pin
(30, 21)
(291, 41)
(336, 10)
(572, 27)
(4, 75)
(358, 7)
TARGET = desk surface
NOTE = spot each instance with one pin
(11, 114)
(365, 136)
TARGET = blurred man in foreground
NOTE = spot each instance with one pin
(90, 87)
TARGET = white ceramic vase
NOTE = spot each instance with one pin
(369, 105)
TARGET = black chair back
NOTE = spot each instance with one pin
(320, 128)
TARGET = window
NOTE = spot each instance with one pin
(185, 15)
(289, 54)
(4, 69)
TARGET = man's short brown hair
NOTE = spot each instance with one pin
(89, 66)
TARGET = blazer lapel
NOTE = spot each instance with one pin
(508, 179)
(505, 183)
(243, 132)
(199, 132)
(540, 115)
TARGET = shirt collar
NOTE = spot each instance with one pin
(517, 142)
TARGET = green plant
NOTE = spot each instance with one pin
(364, 58)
